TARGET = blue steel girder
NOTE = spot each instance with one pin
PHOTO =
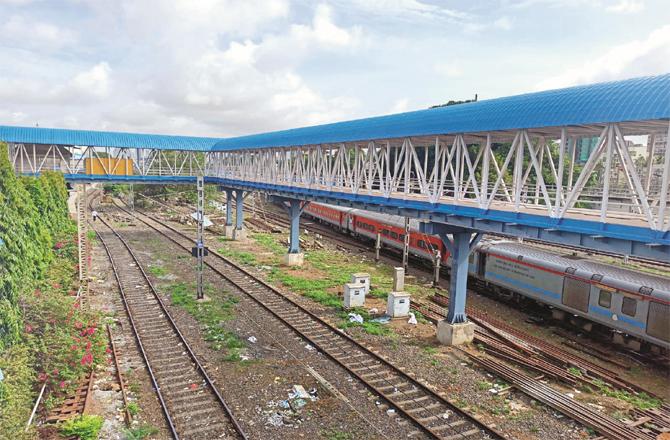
(618, 238)
(110, 178)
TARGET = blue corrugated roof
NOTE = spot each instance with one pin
(635, 99)
(59, 136)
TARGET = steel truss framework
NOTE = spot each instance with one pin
(71, 160)
(535, 175)
(520, 182)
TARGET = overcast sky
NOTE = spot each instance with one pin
(230, 67)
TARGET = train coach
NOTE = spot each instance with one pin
(634, 306)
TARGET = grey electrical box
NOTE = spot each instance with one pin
(354, 295)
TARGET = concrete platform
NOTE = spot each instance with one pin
(294, 259)
(455, 334)
(239, 234)
(228, 231)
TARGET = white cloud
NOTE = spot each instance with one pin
(32, 34)
(215, 67)
(251, 85)
(405, 9)
(649, 56)
(626, 6)
(400, 106)
(450, 69)
(616, 6)
(94, 82)
(504, 23)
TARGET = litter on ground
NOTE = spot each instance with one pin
(355, 317)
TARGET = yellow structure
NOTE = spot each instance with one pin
(109, 165)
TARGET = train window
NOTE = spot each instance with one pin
(570, 270)
(596, 277)
(471, 258)
(605, 298)
(629, 306)
(394, 235)
(422, 244)
(658, 321)
(372, 228)
(401, 237)
(359, 224)
(385, 232)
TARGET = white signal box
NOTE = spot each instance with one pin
(362, 278)
(397, 305)
(354, 295)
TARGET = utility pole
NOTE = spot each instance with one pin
(131, 199)
(200, 245)
(405, 249)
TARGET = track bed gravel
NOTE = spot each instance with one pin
(278, 360)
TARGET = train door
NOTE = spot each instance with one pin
(481, 264)
(576, 294)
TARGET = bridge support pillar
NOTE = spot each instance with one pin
(239, 233)
(294, 257)
(228, 228)
(456, 329)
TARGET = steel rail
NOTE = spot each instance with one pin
(237, 427)
(119, 376)
(492, 432)
(603, 424)
(159, 394)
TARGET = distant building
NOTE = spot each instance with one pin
(584, 147)
(660, 144)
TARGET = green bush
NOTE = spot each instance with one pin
(44, 337)
(84, 427)
(33, 211)
(141, 432)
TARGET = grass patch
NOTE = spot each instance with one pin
(269, 242)
(639, 400)
(373, 328)
(243, 257)
(133, 408)
(335, 434)
(158, 271)
(211, 314)
(315, 289)
(575, 371)
(141, 432)
(429, 350)
(484, 385)
(84, 427)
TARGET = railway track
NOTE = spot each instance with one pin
(609, 427)
(192, 405)
(429, 411)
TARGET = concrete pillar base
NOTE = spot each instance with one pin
(294, 259)
(455, 334)
(228, 231)
(239, 234)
